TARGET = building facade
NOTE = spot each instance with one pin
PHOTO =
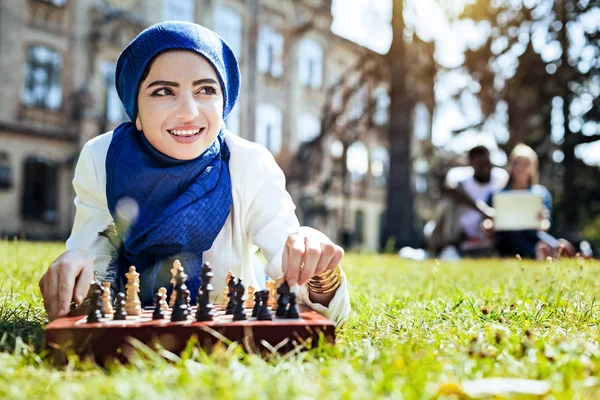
(58, 61)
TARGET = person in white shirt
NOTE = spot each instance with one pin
(468, 189)
(173, 183)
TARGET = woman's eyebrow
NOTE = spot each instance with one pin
(175, 84)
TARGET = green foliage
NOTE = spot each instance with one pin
(415, 326)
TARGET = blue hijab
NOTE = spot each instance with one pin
(182, 205)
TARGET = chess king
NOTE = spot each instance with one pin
(173, 182)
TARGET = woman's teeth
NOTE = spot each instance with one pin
(185, 133)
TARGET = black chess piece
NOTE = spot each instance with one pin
(120, 314)
(292, 311)
(96, 302)
(205, 307)
(181, 308)
(282, 301)
(231, 293)
(257, 299)
(158, 312)
(264, 314)
(238, 313)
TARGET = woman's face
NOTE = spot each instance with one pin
(522, 170)
(180, 105)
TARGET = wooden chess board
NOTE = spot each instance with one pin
(111, 339)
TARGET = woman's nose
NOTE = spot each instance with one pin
(187, 109)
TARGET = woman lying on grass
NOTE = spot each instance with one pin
(174, 183)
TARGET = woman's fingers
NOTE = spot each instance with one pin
(68, 277)
(295, 248)
(86, 276)
(327, 251)
(311, 259)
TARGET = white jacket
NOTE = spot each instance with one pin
(262, 216)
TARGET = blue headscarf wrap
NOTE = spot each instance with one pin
(182, 205)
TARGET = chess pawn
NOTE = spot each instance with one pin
(133, 305)
(228, 278)
(292, 311)
(107, 308)
(238, 313)
(96, 301)
(174, 271)
(120, 313)
(257, 303)
(250, 298)
(231, 294)
(163, 301)
(158, 311)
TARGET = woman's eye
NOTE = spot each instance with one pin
(163, 92)
(208, 90)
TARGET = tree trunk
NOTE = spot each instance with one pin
(569, 193)
(252, 77)
(400, 212)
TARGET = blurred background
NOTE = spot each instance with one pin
(365, 104)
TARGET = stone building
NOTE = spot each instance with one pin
(57, 73)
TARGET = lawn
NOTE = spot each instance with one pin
(418, 330)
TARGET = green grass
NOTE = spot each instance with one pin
(415, 327)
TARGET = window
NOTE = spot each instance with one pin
(42, 86)
(40, 190)
(380, 165)
(114, 110)
(269, 127)
(311, 63)
(358, 103)
(58, 3)
(178, 10)
(359, 227)
(357, 160)
(382, 106)
(228, 24)
(421, 122)
(309, 127)
(5, 171)
(233, 120)
(270, 51)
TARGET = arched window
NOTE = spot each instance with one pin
(311, 63)
(228, 24)
(5, 171)
(269, 127)
(114, 110)
(382, 106)
(270, 51)
(42, 87)
(422, 124)
(39, 197)
(178, 10)
(357, 161)
(380, 165)
(309, 127)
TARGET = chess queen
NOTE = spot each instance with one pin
(173, 182)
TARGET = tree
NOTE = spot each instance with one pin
(571, 75)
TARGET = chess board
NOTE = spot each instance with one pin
(110, 339)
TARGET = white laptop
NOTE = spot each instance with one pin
(516, 210)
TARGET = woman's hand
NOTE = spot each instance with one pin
(67, 279)
(544, 218)
(307, 253)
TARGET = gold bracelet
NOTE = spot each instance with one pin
(327, 282)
